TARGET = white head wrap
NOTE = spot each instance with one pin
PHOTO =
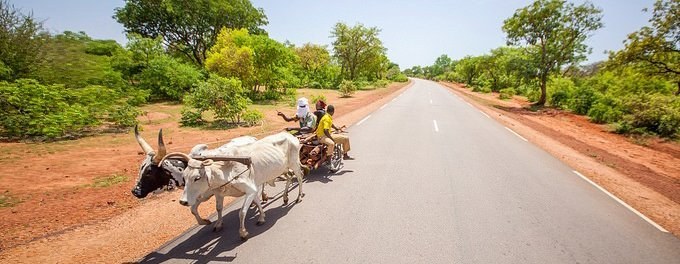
(302, 107)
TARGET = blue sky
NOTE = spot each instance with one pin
(414, 32)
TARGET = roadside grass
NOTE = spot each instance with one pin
(103, 182)
(6, 200)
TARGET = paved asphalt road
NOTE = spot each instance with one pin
(436, 181)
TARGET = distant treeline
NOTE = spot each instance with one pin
(210, 55)
(636, 90)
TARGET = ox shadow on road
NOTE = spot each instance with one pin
(201, 245)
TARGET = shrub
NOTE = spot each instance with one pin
(400, 78)
(582, 99)
(316, 97)
(315, 85)
(653, 113)
(605, 110)
(191, 118)
(381, 83)
(32, 110)
(481, 89)
(252, 117)
(559, 90)
(347, 88)
(224, 96)
(507, 93)
(361, 84)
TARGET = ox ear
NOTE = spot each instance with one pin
(142, 143)
(161, 149)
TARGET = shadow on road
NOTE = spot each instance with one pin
(205, 246)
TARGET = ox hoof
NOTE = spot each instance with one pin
(244, 237)
(285, 201)
(259, 223)
(204, 222)
(217, 229)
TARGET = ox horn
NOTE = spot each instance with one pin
(181, 155)
(161, 148)
(142, 143)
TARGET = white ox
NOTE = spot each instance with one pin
(232, 174)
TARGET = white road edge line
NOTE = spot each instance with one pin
(436, 128)
(484, 114)
(516, 134)
(430, 101)
(362, 120)
(383, 106)
(469, 104)
(623, 203)
(394, 99)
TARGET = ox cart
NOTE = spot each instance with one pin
(313, 153)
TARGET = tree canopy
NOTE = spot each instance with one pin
(655, 49)
(557, 31)
(189, 27)
(359, 51)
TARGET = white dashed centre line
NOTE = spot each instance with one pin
(436, 128)
(383, 106)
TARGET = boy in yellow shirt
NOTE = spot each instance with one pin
(323, 133)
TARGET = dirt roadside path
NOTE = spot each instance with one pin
(134, 228)
(645, 177)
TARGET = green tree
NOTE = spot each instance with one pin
(256, 60)
(655, 49)
(556, 30)
(21, 39)
(468, 69)
(224, 96)
(358, 49)
(441, 65)
(71, 60)
(189, 27)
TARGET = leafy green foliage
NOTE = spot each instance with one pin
(557, 30)
(315, 69)
(189, 28)
(654, 49)
(507, 93)
(359, 51)
(316, 97)
(21, 39)
(560, 90)
(653, 113)
(224, 96)
(68, 62)
(252, 117)
(347, 88)
(34, 110)
(167, 78)
(191, 118)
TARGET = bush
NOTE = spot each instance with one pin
(400, 78)
(481, 89)
(361, 85)
(252, 117)
(32, 110)
(315, 85)
(507, 93)
(605, 110)
(559, 90)
(582, 99)
(316, 97)
(653, 113)
(347, 88)
(224, 96)
(381, 83)
(191, 118)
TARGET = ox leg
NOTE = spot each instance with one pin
(219, 205)
(265, 198)
(260, 219)
(250, 196)
(287, 189)
(194, 211)
(299, 174)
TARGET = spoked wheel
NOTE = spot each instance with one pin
(335, 164)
